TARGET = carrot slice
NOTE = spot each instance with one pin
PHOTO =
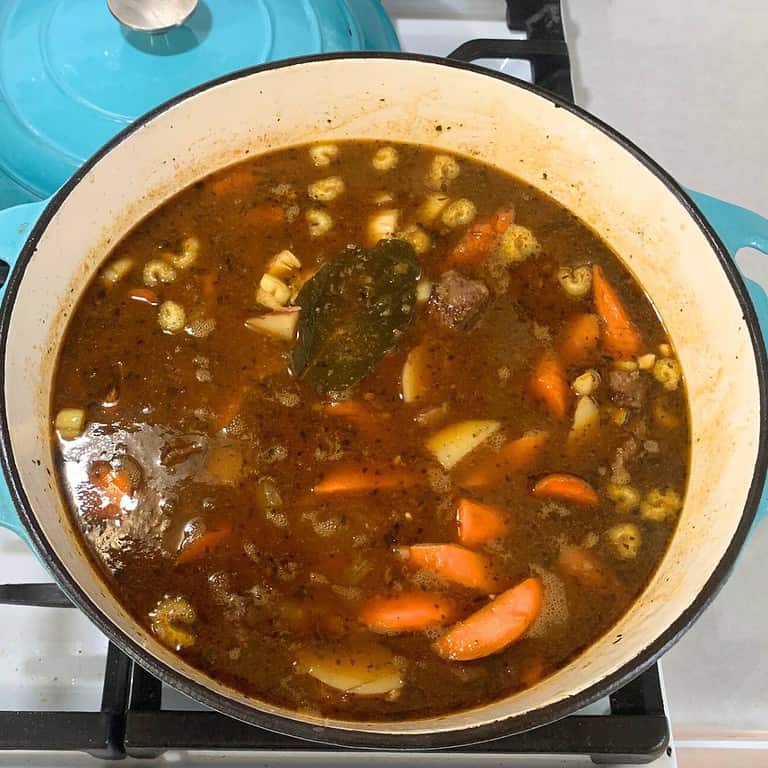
(113, 486)
(480, 523)
(227, 407)
(201, 545)
(495, 626)
(568, 488)
(452, 563)
(237, 181)
(579, 339)
(266, 216)
(144, 295)
(589, 571)
(360, 479)
(522, 454)
(518, 455)
(550, 385)
(121, 480)
(532, 671)
(476, 244)
(407, 612)
(357, 413)
(208, 287)
(584, 567)
(503, 220)
(103, 498)
(620, 336)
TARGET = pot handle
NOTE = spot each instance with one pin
(15, 225)
(741, 228)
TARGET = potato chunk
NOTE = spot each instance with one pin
(451, 444)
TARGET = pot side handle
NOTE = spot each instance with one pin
(15, 225)
(741, 228)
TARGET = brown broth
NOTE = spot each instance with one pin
(205, 419)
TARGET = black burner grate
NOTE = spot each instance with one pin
(544, 48)
(133, 723)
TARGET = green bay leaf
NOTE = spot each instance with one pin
(353, 311)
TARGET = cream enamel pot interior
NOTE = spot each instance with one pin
(567, 154)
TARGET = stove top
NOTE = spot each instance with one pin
(65, 690)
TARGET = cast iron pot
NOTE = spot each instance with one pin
(662, 235)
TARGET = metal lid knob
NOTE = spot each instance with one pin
(152, 16)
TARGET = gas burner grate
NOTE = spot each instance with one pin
(544, 47)
(133, 723)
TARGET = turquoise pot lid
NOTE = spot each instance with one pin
(71, 76)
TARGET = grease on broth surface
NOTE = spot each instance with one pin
(370, 430)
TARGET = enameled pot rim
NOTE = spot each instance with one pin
(347, 736)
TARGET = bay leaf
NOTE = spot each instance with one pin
(353, 311)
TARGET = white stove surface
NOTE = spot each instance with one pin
(623, 55)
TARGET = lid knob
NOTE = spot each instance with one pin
(152, 16)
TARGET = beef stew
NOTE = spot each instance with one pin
(370, 430)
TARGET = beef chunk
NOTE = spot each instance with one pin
(457, 300)
(629, 388)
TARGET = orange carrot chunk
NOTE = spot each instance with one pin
(452, 563)
(480, 523)
(226, 408)
(550, 385)
(407, 612)
(518, 455)
(266, 216)
(359, 479)
(579, 339)
(121, 480)
(583, 566)
(477, 243)
(201, 546)
(495, 626)
(144, 295)
(238, 181)
(503, 220)
(209, 287)
(521, 454)
(474, 246)
(590, 572)
(112, 486)
(357, 413)
(532, 671)
(569, 488)
(621, 338)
